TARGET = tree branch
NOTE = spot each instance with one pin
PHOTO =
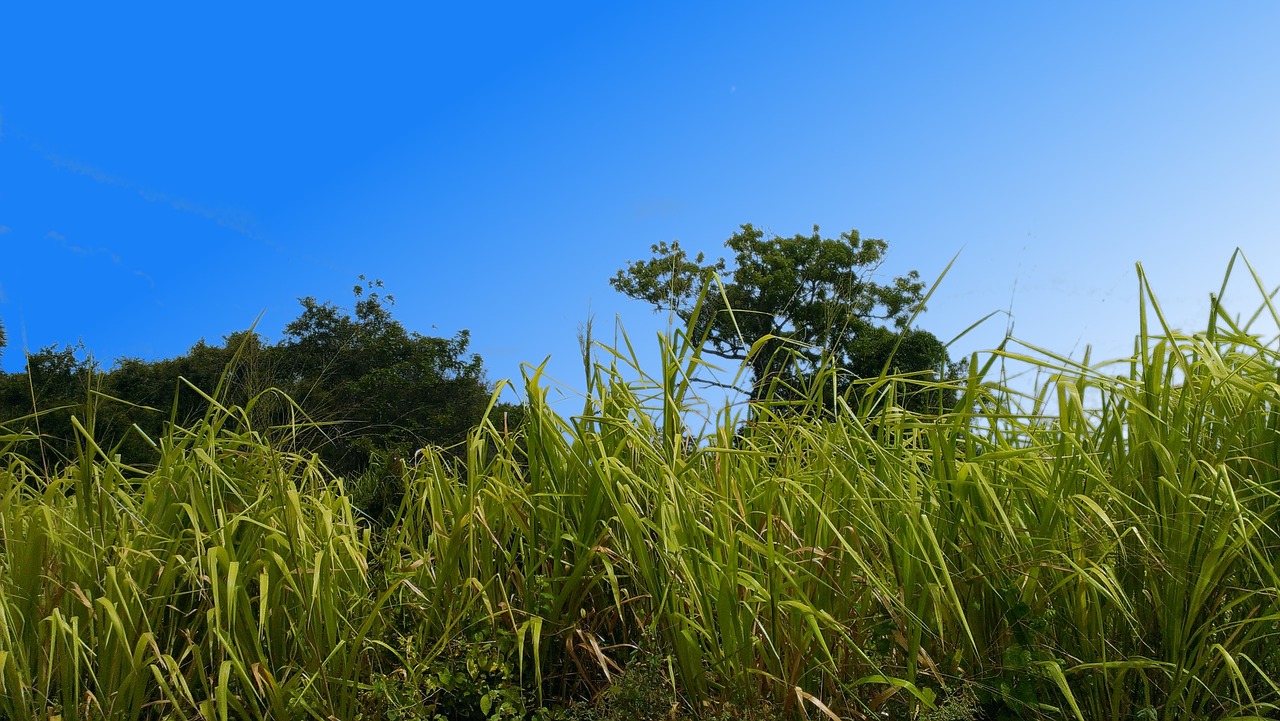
(718, 384)
(737, 356)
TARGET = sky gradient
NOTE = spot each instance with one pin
(168, 173)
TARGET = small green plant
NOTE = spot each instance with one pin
(471, 680)
(642, 692)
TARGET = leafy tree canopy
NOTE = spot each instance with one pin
(388, 390)
(374, 390)
(820, 297)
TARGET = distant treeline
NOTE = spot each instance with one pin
(356, 388)
(362, 391)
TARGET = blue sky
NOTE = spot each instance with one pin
(168, 172)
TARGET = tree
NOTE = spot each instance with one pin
(376, 391)
(3, 342)
(387, 391)
(793, 304)
(149, 394)
(43, 399)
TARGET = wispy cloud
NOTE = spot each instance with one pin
(235, 221)
(4, 229)
(88, 171)
(81, 250)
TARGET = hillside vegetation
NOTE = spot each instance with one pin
(1104, 548)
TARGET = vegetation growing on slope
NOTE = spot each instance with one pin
(373, 389)
(1114, 559)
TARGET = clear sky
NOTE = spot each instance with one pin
(168, 172)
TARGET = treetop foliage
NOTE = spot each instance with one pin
(368, 389)
(819, 299)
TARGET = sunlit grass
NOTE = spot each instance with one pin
(1113, 558)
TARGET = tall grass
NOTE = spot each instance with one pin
(1101, 548)
(230, 581)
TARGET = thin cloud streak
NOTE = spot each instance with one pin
(237, 222)
(90, 252)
